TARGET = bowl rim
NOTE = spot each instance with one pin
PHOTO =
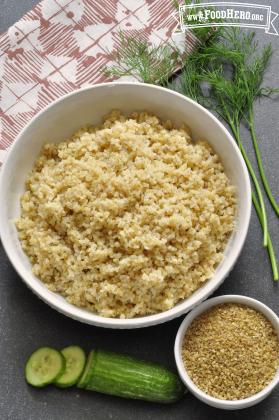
(201, 395)
(85, 316)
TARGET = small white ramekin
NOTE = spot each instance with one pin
(215, 402)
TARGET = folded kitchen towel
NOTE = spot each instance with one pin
(63, 45)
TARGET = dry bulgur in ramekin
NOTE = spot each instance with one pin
(126, 218)
(231, 351)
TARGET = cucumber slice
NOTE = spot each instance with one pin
(75, 362)
(87, 372)
(44, 366)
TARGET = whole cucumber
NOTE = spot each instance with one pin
(128, 377)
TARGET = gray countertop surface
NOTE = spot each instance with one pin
(27, 323)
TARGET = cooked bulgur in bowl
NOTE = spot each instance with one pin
(127, 218)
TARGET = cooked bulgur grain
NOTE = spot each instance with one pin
(231, 351)
(126, 218)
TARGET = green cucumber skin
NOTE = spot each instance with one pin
(127, 377)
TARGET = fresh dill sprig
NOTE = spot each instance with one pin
(232, 69)
(149, 64)
(240, 50)
(252, 72)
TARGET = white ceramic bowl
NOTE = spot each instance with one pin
(215, 402)
(59, 120)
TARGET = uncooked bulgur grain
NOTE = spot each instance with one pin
(231, 351)
(126, 218)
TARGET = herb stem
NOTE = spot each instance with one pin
(257, 205)
(235, 130)
(270, 248)
(260, 163)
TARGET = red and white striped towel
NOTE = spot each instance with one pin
(62, 45)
